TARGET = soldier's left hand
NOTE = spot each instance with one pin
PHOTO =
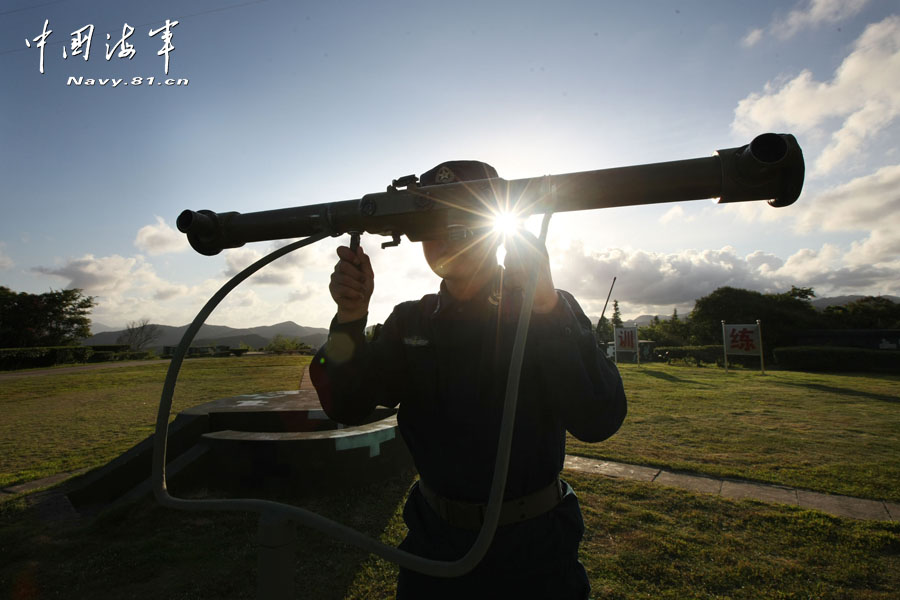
(525, 253)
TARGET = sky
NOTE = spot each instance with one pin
(291, 103)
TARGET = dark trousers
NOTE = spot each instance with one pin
(566, 582)
(536, 559)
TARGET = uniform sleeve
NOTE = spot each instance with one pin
(583, 382)
(352, 376)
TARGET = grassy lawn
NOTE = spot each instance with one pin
(824, 432)
(834, 433)
(642, 541)
(61, 422)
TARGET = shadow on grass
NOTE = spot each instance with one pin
(147, 551)
(672, 378)
(844, 391)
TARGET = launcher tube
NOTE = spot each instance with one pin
(770, 168)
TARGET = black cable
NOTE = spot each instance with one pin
(303, 516)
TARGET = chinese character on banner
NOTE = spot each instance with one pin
(742, 339)
(626, 339)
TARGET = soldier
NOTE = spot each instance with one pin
(444, 360)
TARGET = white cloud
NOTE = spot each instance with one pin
(752, 37)
(807, 15)
(129, 287)
(814, 14)
(100, 276)
(125, 287)
(160, 239)
(300, 295)
(870, 204)
(287, 270)
(676, 213)
(650, 282)
(864, 92)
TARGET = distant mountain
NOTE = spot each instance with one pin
(641, 321)
(220, 335)
(100, 328)
(287, 328)
(823, 303)
(252, 340)
(644, 320)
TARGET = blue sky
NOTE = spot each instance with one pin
(293, 103)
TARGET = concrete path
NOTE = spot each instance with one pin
(842, 506)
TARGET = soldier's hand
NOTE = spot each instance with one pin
(352, 284)
(525, 253)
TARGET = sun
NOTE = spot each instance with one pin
(505, 224)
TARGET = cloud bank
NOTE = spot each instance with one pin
(160, 239)
(654, 283)
(864, 92)
(809, 15)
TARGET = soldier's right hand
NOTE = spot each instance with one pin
(352, 284)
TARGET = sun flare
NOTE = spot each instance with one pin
(505, 223)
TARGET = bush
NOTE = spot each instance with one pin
(136, 355)
(837, 358)
(31, 358)
(102, 356)
(112, 348)
(697, 354)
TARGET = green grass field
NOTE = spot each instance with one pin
(832, 433)
(824, 432)
(67, 421)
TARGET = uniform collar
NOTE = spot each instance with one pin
(483, 301)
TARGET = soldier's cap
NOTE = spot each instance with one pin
(457, 170)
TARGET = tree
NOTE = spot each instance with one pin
(783, 315)
(617, 316)
(670, 332)
(282, 343)
(871, 312)
(801, 293)
(138, 334)
(604, 331)
(55, 318)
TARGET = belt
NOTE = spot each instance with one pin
(470, 515)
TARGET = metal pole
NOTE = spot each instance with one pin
(762, 364)
(725, 345)
(615, 346)
(637, 345)
(603, 312)
(277, 540)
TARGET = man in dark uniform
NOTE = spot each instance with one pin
(444, 360)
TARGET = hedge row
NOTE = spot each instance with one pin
(47, 356)
(795, 358)
(707, 354)
(111, 348)
(836, 358)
